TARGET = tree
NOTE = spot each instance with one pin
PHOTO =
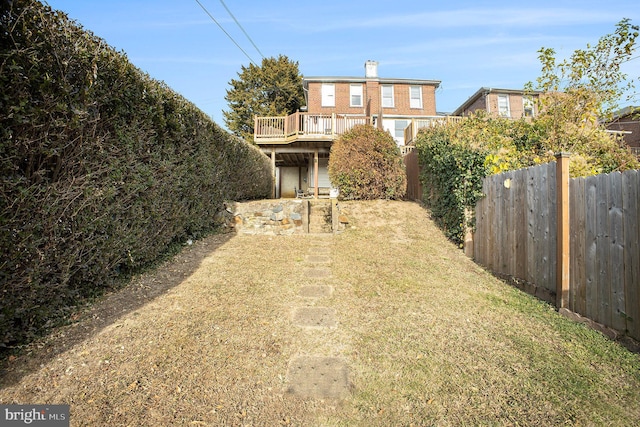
(584, 88)
(272, 89)
(365, 163)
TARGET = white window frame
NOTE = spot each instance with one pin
(328, 92)
(398, 132)
(387, 97)
(415, 102)
(355, 90)
(504, 110)
(527, 105)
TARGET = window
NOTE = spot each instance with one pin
(387, 96)
(400, 127)
(328, 95)
(527, 106)
(415, 93)
(503, 106)
(356, 95)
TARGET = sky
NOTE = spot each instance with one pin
(464, 44)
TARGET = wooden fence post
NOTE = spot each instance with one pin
(562, 245)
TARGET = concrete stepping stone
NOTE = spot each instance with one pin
(316, 291)
(315, 317)
(318, 377)
(318, 259)
(318, 273)
(319, 250)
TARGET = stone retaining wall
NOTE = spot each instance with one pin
(274, 217)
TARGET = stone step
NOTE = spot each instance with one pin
(320, 216)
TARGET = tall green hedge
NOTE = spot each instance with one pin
(451, 175)
(102, 168)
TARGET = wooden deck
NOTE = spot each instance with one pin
(304, 127)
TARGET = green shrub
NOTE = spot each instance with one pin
(451, 175)
(102, 169)
(365, 164)
(454, 159)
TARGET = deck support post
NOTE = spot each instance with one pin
(273, 172)
(315, 173)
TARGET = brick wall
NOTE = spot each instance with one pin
(489, 103)
(629, 124)
(371, 90)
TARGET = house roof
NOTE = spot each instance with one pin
(626, 111)
(381, 80)
(483, 91)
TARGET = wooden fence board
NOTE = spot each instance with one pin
(603, 244)
(490, 225)
(517, 233)
(498, 227)
(577, 214)
(507, 213)
(538, 238)
(631, 213)
(531, 226)
(591, 271)
(551, 231)
(615, 264)
(519, 186)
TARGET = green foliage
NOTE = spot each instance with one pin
(577, 93)
(102, 169)
(365, 164)
(584, 88)
(273, 89)
(449, 154)
(451, 173)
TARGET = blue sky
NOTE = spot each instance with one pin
(464, 44)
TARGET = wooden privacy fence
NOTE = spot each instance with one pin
(414, 188)
(585, 250)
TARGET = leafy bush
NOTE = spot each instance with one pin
(451, 174)
(455, 157)
(365, 163)
(102, 169)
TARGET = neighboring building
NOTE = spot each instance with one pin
(299, 144)
(401, 99)
(627, 123)
(510, 103)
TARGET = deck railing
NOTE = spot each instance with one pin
(415, 125)
(289, 128)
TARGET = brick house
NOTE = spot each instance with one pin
(510, 103)
(299, 144)
(627, 123)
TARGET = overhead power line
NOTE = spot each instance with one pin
(224, 31)
(245, 33)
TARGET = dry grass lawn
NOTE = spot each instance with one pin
(429, 338)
